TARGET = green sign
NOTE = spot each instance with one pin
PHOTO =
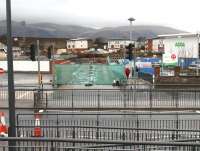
(179, 44)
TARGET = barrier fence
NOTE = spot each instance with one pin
(56, 144)
(107, 98)
(130, 127)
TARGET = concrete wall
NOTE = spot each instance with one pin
(27, 66)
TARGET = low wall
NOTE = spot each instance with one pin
(27, 66)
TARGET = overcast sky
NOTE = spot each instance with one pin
(181, 14)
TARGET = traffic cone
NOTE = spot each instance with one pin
(3, 127)
(37, 129)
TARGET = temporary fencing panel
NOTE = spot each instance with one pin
(98, 74)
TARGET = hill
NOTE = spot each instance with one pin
(50, 30)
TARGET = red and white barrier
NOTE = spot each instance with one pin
(3, 127)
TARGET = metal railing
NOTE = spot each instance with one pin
(107, 98)
(105, 126)
(57, 144)
(120, 98)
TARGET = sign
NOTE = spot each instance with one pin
(173, 56)
(179, 44)
(170, 59)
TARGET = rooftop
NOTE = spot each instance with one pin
(178, 35)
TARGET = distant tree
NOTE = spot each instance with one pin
(141, 39)
(99, 42)
(141, 42)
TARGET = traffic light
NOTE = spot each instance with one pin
(32, 52)
(129, 51)
(49, 51)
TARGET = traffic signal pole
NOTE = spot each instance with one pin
(11, 90)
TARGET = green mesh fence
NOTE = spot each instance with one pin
(98, 74)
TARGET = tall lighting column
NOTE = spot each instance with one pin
(131, 19)
(11, 91)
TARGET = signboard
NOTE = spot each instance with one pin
(170, 59)
(184, 47)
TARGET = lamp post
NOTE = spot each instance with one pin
(198, 51)
(131, 19)
(11, 90)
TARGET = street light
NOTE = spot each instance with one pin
(131, 19)
(11, 89)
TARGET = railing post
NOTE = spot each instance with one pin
(72, 99)
(124, 98)
(46, 106)
(36, 100)
(177, 126)
(137, 125)
(176, 98)
(51, 146)
(73, 135)
(195, 102)
(57, 123)
(98, 99)
(150, 98)
(97, 124)
(17, 123)
(123, 138)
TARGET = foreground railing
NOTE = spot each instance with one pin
(109, 133)
(113, 126)
(55, 144)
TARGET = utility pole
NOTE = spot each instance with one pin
(39, 73)
(197, 66)
(53, 64)
(11, 90)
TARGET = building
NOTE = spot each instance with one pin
(177, 46)
(149, 44)
(118, 43)
(25, 42)
(2, 46)
(79, 44)
(2, 51)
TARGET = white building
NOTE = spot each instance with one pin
(78, 44)
(177, 46)
(2, 51)
(2, 46)
(118, 43)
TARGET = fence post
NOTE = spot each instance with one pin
(195, 102)
(177, 126)
(123, 138)
(36, 100)
(176, 97)
(52, 147)
(137, 125)
(17, 124)
(57, 123)
(97, 124)
(46, 101)
(72, 99)
(73, 135)
(150, 98)
(98, 100)
(124, 100)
